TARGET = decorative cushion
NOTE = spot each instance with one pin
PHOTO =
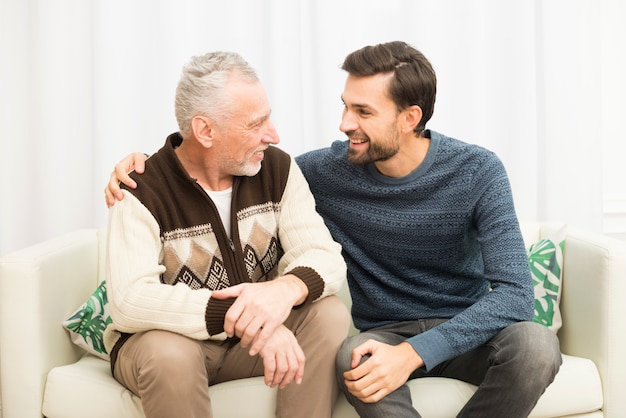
(87, 324)
(546, 266)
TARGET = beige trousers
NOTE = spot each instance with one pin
(172, 373)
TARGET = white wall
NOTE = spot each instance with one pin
(611, 127)
(83, 83)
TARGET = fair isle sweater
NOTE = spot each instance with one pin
(168, 249)
(428, 245)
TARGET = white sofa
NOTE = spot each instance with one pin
(43, 373)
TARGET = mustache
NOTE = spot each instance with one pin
(357, 135)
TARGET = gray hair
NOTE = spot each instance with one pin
(201, 90)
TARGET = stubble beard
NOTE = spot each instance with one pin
(376, 151)
(245, 168)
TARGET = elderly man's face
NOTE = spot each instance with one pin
(249, 131)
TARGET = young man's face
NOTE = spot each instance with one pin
(370, 119)
(249, 131)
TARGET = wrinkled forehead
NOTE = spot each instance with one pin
(249, 100)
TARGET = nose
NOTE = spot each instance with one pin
(270, 136)
(348, 122)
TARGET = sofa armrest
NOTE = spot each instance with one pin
(593, 307)
(40, 286)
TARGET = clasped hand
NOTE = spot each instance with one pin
(257, 317)
(386, 369)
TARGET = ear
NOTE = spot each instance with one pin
(203, 130)
(412, 117)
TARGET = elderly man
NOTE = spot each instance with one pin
(218, 265)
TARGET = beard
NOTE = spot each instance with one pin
(245, 167)
(248, 169)
(376, 151)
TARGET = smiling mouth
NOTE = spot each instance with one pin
(258, 155)
(358, 139)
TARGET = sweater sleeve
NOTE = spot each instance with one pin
(137, 298)
(505, 265)
(310, 251)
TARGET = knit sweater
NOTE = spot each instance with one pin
(168, 249)
(442, 242)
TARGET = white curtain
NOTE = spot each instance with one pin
(83, 83)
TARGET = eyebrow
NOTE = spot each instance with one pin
(358, 105)
(258, 121)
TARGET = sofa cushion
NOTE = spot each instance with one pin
(87, 324)
(86, 388)
(545, 257)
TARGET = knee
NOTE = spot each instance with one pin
(336, 312)
(332, 316)
(536, 347)
(547, 352)
(171, 356)
(343, 359)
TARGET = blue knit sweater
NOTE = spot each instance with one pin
(442, 242)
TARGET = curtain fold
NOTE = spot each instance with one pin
(83, 83)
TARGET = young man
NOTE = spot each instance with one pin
(209, 257)
(437, 267)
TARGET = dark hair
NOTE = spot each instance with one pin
(414, 81)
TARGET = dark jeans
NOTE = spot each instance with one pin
(512, 370)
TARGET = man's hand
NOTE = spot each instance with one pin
(387, 368)
(134, 161)
(260, 308)
(283, 359)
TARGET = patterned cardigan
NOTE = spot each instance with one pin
(168, 249)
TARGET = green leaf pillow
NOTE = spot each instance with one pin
(546, 266)
(86, 326)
